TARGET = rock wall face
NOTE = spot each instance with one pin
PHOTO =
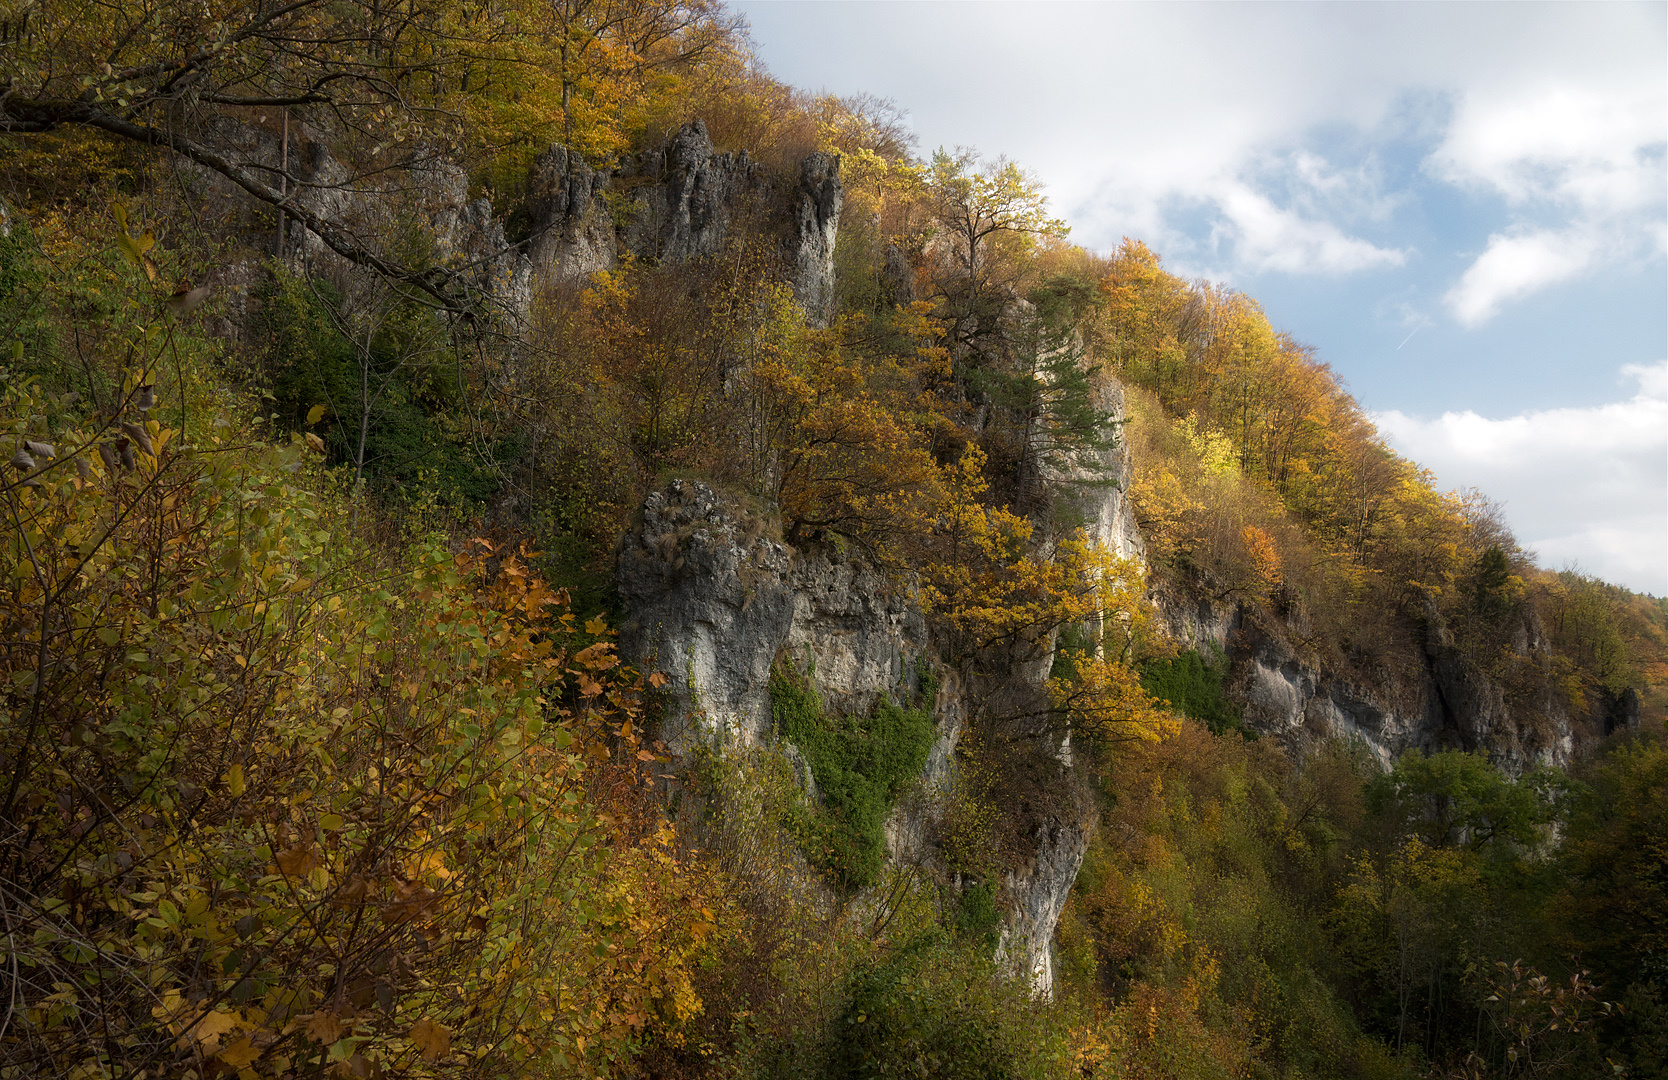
(1108, 515)
(681, 199)
(681, 202)
(669, 205)
(1037, 895)
(573, 228)
(1447, 704)
(816, 227)
(708, 605)
(712, 602)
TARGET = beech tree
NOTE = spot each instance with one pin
(983, 207)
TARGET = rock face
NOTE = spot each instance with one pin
(429, 196)
(669, 205)
(711, 602)
(573, 230)
(1037, 894)
(1108, 516)
(816, 226)
(898, 276)
(682, 198)
(1447, 704)
(708, 604)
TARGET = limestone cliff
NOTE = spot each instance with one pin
(670, 204)
(1440, 700)
(712, 600)
(683, 201)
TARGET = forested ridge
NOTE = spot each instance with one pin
(349, 348)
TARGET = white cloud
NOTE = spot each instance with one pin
(1589, 158)
(1588, 485)
(1597, 148)
(1514, 266)
(1159, 121)
(1269, 237)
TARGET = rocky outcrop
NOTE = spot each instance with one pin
(1036, 896)
(898, 277)
(854, 633)
(708, 604)
(1100, 487)
(816, 225)
(1302, 705)
(669, 205)
(428, 194)
(712, 601)
(1443, 702)
(681, 199)
(572, 228)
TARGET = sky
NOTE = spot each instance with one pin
(1462, 207)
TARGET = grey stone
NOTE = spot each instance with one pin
(683, 197)
(816, 226)
(573, 230)
(708, 604)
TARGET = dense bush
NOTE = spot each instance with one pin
(1192, 686)
(861, 764)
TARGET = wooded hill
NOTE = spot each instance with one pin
(346, 342)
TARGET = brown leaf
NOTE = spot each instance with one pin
(412, 900)
(430, 1039)
(352, 893)
(323, 1027)
(298, 861)
(138, 434)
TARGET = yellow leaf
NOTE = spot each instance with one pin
(430, 1039)
(212, 1026)
(234, 779)
(240, 1053)
(316, 413)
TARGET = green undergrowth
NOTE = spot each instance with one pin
(861, 765)
(931, 1009)
(975, 916)
(1192, 685)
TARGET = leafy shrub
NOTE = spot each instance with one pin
(278, 804)
(860, 765)
(928, 1010)
(975, 917)
(1193, 686)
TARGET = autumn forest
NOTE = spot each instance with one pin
(533, 548)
